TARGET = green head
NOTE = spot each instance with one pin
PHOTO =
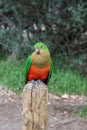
(40, 47)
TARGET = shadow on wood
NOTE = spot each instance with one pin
(35, 106)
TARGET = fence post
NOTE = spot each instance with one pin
(35, 106)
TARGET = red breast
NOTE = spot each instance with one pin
(36, 73)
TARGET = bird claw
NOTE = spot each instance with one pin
(38, 82)
(33, 83)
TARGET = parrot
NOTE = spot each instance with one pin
(39, 65)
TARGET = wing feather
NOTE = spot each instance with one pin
(27, 67)
(51, 71)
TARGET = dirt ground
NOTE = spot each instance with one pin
(61, 112)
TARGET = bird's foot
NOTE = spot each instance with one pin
(38, 82)
(33, 83)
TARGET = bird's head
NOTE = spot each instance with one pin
(40, 47)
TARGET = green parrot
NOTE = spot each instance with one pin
(39, 65)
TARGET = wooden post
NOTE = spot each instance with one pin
(35, 106)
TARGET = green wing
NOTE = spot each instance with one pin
(27, 67)
(51, 70)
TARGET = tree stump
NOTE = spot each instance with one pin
(35, 106)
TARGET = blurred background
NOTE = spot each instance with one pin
(62, 25)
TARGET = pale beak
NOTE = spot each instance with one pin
(37, 51)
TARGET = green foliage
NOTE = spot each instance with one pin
(8, 40)
(81, 113)
(76, 63)
(13, 44)
(11, 75)
(67, 82)
(58, 23)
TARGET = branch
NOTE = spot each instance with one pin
(7, 21)
(17, 17)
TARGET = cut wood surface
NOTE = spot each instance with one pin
(35, 106)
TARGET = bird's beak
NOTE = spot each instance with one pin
(37, 51)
